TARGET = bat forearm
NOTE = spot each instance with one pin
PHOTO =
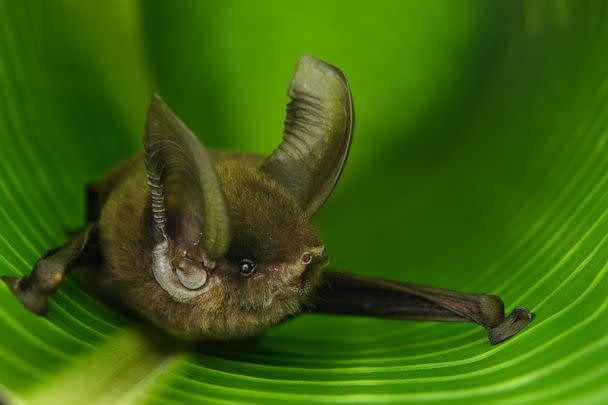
(379, 303)
(349, 294)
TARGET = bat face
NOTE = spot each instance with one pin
(275, 253)
(275, 256)
(220, 245)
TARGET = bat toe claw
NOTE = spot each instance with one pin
(519, 319)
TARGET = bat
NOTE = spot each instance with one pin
(220, 245)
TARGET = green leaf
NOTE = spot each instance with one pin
(479, 163)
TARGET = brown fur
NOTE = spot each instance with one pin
(267, 226)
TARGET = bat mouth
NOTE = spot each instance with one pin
(302, 285)
(312, 274)
(308, 273)
(305, 283)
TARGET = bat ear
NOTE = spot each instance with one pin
(188, 205)
(317, 135)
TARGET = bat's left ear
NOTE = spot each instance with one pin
(317, 136)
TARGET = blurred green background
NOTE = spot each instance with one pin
(478, 163)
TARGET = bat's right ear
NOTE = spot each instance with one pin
(187, 197)
(187, 201)
(317, 136)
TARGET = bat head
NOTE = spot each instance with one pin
(233, 232)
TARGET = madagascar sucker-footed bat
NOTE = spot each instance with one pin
(220, 245)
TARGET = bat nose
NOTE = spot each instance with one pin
(319, 251)
(320, 256)
(323, 257)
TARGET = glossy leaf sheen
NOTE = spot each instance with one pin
(479, 164)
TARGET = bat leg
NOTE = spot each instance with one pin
(350, 294)
(50, 270)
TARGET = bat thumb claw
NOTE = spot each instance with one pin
(511, 325)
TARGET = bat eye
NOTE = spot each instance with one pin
(306, 258)
(246, 267)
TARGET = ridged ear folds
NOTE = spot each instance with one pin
(317, 135)
(187, 201)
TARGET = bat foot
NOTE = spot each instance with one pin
(30, 297)
(50, 270)
(511, 325)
